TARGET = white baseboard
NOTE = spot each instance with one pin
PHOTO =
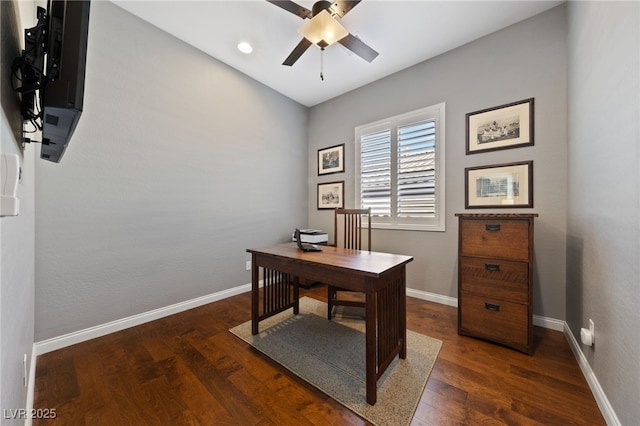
(65, 340)
(598, 393)
(433, 297)
(550, 323)
(69, 339)
(31, 385)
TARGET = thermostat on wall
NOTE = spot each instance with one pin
(9, 174)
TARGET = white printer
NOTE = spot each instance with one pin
(312, 236)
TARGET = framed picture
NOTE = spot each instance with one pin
(499, 186)
(331, 160)
(330, 195)
(502, 127)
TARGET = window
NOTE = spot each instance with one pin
(400, 170)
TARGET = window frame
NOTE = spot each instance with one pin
(434, 113)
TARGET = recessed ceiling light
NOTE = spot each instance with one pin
(245, 47)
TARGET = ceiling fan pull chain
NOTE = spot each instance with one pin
(321, 64)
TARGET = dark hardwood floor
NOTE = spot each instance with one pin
(188, 369)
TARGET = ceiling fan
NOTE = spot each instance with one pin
(323, 29)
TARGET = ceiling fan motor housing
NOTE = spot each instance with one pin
(320, 6)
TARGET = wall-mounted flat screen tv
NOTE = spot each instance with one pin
(53, 73)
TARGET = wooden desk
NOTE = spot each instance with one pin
(380, 276)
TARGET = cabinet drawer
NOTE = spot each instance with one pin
(496, 320)
(501, 279)
(505, 238)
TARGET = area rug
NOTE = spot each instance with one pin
(330, 355)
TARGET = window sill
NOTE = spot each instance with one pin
(409, 227)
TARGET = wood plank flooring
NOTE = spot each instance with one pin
(188, 369)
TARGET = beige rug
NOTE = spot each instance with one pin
(330, 355)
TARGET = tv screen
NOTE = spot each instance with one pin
(53, 63)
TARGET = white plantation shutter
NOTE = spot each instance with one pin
(400, 170)
(416, 169)
(375, 172)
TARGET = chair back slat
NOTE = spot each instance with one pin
(352, 228)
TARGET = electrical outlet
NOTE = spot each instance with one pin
(248, 265)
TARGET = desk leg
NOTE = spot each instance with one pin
(296, 295)
(371, 312)
(255, 295)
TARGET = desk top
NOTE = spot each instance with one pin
(367, 262)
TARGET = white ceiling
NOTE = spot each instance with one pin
(403, 32)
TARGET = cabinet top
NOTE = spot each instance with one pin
(497, 215)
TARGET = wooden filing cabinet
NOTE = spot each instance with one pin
(495, 278)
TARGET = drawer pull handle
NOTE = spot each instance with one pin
(492, 267)
(493, 227)
(492, 307)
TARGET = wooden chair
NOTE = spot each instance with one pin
(348, 230)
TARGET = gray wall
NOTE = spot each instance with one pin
(603, 250)
(179, 163)
(17, 281)
(523, 61)
(16, 240)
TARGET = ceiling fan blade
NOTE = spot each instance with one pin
(293, 7)
(358, 47)
(297, 52)
(342, 7)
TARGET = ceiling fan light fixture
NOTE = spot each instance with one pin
(323, 30)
